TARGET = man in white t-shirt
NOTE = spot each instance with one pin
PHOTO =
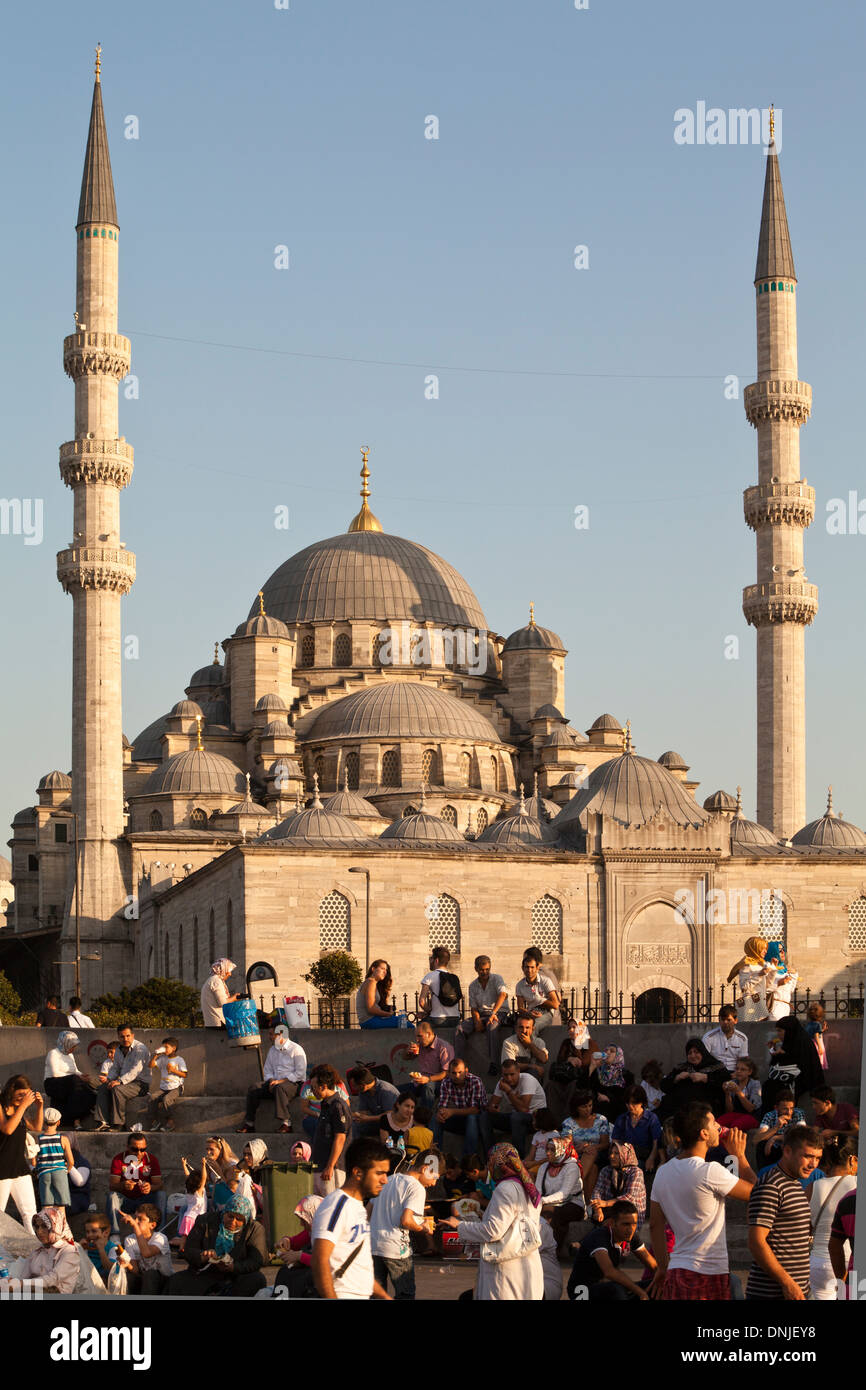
(689, 1195)
(342, 1261)
(215, 993)
(512, 1106)
(397, 1210)
(430, 1001)
(76, 1018)
(537, 993)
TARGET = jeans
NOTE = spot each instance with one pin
(116, 1202)
(54, 1188)
(466, 1029)
(467, 1125)
(401, 1274)
(519, 1125)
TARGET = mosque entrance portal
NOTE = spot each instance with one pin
(657, 1006)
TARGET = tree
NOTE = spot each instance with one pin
(10, 1001)
(335, 975)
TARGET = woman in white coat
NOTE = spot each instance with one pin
(561, 1188)
(509, 1235)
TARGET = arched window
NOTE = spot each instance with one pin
(166, 962)
(410, 811)
(343, 649)
(547, 925)
(494, 773)
(308, 649)
(155, 820)
(211, 936)
(482, 821)
(465, 766)
(391, 768)
(429, 765)
(449, 815)
(319, 769)
(198, 819)
(195, 940)
(353, 771)
(195, 960)
(773, 918)
(334, 923)
(230, 929)
(857, 925)
(443, 917)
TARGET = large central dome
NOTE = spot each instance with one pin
(370, 574)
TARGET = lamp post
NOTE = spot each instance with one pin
(366, 873)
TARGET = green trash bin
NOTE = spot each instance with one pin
(283, 1186)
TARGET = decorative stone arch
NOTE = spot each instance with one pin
(444, 890)
(854, 946)
(674, 953)
(342, 652)
(198, 818)
(334, 918)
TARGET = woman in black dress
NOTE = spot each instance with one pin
(794, 1062)
(698, 1077)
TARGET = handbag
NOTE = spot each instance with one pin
(786, 1072)
(522, 1238)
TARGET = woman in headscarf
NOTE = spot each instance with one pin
(570, 1069)
(780, 990)
(621, 1180)
(513, 1217)
(753, 978)
(608, 1079)
(254, 1157)
(67, 1088)
(296, 1252)
(794, 1062)
(225, 1252)
(698, 1077)
(301, 1152)
(215, 993)
(57, 1262)
(560, 1184)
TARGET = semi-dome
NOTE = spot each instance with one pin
(196, 772)
(573, 779)
(186, 709)
(422, 828)
(674, 762)
(55, 781)
(271, 701)
(402, 709)
(720, 801)
(216, 712)
(830, 831)
(605, 722)
(630, 789)
(147, 746)
(370, 575)
(284, 768)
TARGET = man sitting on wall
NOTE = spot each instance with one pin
(284, 1073)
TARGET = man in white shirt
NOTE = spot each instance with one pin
(342, 1261)
(538, 992)
(430, 1002)
(125, 1079)
(689, 1195)
(172, 1075)
(76, 1018)
(727, 1043)
(397, 1210)
(512, 1107)
(215, 993)
(488, 998)
(284, 1073)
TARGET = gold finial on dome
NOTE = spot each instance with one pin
(772, 122)
(365, 520)
(98, 52)
(626, 738)
(216, 653)
(532, 615)
(199, 745)
(261, 603)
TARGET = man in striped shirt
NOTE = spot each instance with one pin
(779, 1220)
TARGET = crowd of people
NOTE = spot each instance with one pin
(641, 1158)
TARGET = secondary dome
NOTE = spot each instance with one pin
(631, 789)
(262, 625)
(605, 721)
(519, 830)
(673, 761)
(313, 824)
(271, 702)
(185, 709)
(749, 832)
(533, 638)
(422, 828)
(352, 804)
(831, 831)
(54, 781)
(720, 801)
(147, 746)
(196, 773)
(207, 675)
(370, 575)
(402, 709)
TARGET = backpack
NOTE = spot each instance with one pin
(450, 992)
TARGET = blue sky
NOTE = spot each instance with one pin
(605, 387)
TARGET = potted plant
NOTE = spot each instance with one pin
(336, 975)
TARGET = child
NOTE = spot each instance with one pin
(420, 1136)
(104, 1070)
(172, 1074)
(98, 1243)
(651, 1078)
(195, 1181)
(769, 1136)
(545, 1128)
(476, 1170)
(816, 1028)
(455, 1182)
(148, 1251)
(53, 1162)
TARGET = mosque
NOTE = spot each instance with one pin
(367, 764)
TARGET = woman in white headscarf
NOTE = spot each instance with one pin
(72, 1092)
(215, 993)
(57, 1262)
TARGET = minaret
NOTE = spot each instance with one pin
(781, 604)
(96, 569)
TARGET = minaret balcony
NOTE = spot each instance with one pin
(790, 601)
(779, 504)
(96, 567)
(107, 461)
(778, 400)
(96, 354)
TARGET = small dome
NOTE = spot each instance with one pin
(830, 831)
(549, 712)
(5, 868)
(278, 728)
(422, 828)
(216, 712)
(271, 701)
(313, 824)
(749, 832)
(352, 804)
(606, 722)
(207, 675)
(559, 738)
(186, 709)
(533, 638)
(247, 807)
(631, 789)
(196, 773)
(573, 779)
(147, 747)
(262, 625)
(55, 781)
(518, 831)
(674, 762)
(720, 801)
(287, 768)
(403, 709)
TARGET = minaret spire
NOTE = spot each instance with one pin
(96, 203)
(781, 604)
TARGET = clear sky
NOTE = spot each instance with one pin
(558, 387)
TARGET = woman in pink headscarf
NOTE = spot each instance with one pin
(510, 1267)
(215, 993)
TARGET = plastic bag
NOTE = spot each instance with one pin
(296, 1012)
(117, 1283)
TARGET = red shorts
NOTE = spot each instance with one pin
(697, 1288)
